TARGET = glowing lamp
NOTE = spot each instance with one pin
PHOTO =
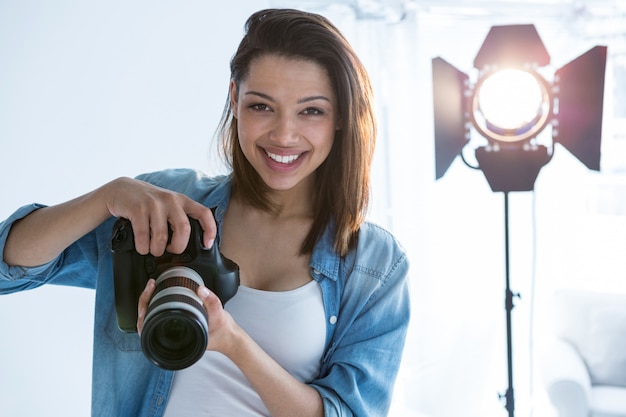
(511, 104)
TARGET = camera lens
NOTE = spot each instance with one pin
(175, 331)
(174, 334)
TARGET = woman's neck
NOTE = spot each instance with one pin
(295, 202)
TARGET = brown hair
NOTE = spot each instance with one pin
(343, 180)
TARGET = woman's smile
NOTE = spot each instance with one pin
(282, 159)
(284, 162)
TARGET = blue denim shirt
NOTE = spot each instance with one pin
(365, 298)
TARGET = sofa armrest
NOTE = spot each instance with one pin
(566, 379)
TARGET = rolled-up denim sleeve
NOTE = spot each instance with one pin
(361, 365)
(72, 267)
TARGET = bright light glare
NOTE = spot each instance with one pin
(510, 99)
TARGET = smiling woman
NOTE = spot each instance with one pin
(298, 131)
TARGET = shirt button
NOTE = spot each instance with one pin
(316, 272)
(332, 319)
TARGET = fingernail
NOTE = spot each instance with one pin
(203, 291)
(210, 243)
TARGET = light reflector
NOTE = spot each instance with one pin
(580, 96)
(451, 127)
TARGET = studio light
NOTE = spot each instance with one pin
(509, 105)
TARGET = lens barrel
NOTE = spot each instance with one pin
(176, 330)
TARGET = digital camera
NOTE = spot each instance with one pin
(175, 330)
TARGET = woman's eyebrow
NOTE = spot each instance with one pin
(313, 98)
(259, 94)
(300, 101)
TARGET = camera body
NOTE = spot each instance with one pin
(175, 329)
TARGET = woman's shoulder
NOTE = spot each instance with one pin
(180, 176)
(188, 181)
(378, 250)
(372, 234)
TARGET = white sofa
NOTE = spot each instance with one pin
(584, 369)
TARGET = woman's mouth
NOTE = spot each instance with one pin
(282, 159)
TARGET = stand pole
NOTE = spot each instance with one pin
(510, 400)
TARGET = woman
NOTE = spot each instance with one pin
(318, 324)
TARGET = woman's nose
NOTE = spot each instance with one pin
(284, 130)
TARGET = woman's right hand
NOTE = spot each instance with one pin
(45, 233)
(151, 209)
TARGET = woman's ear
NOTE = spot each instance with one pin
(233, 97)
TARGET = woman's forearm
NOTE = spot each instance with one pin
(45, 233)
(282, 394)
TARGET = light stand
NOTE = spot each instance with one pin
(512, 158)
(508, 305)
(522, 169)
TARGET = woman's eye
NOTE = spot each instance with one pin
(313, 111)
(259, 107)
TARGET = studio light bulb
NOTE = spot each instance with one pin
(511, 105)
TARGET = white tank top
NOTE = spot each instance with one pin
(290, 326)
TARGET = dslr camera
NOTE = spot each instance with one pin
(175, 331)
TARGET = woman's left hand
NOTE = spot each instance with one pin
(220, 321)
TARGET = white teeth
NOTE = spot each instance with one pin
(283, 159)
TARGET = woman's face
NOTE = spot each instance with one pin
(286, 114)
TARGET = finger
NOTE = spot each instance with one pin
(142, 305)
(209, 299)
(141, 232)
(207, 222)
(181, 229)
(159, 233)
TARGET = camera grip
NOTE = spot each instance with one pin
(126, 270)
(226, 275)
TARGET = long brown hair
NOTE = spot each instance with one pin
(343, 180)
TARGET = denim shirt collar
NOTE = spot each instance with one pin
(219, 202)
(324, 259)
